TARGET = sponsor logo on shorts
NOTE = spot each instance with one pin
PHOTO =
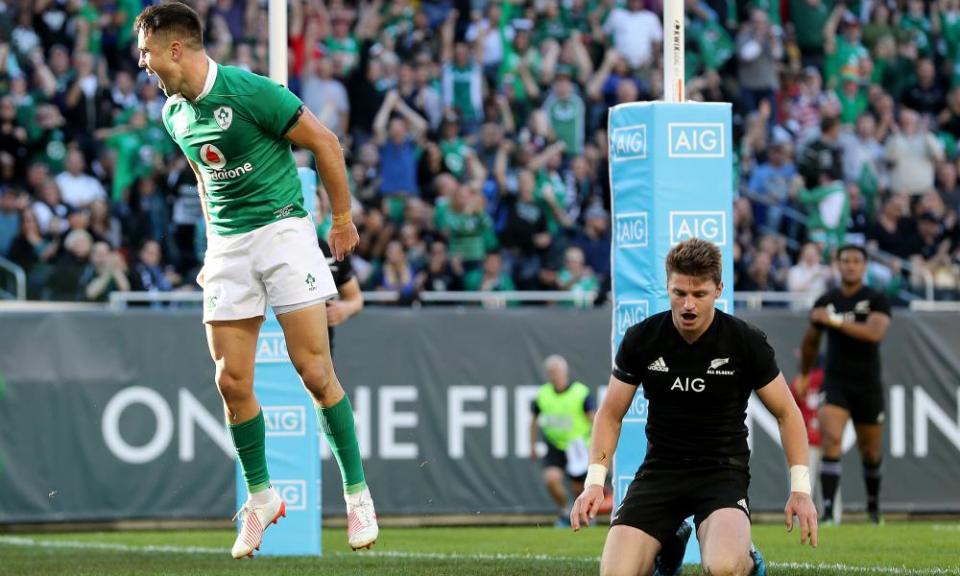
(212, 302)
(311, 282)
(743, 504)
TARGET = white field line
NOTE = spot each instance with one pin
(819, 568)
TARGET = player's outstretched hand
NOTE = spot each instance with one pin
(343, 239)
(801, 505)
(586, 506)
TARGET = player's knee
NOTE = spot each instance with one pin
(234, 386)
(872, 458)
(726, 565)
(318, 378)
(612, 568)
(553, 475)
(830, 441)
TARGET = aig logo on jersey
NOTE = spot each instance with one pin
(631, 230)
(224, 117)
(629, 143)
(687, 384)
(696, 140)
(710, 226)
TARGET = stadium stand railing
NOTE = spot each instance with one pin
(12, 272)
(742, 300)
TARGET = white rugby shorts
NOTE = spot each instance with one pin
(280, 264)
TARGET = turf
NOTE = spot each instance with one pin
(896, 548)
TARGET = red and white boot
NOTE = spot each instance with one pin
(256, 517)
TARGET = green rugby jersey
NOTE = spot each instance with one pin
(234, 133)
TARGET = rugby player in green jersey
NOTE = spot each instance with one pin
(235, 128)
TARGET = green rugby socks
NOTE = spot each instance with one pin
(337, 424)
(249, 438)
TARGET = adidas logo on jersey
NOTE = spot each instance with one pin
(658, 365)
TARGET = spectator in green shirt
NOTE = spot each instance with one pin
(466, 226)
(491, 277)
(577, 278)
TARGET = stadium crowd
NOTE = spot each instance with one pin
(475, 136)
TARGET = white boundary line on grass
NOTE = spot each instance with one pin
(81, 545)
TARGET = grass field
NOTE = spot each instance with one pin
(895, 549)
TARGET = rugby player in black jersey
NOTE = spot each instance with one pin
(350, 299)
(698, 367)
(856, 319)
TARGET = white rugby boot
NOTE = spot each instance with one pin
(362, 529)
(256, 517)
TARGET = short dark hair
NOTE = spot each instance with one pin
(697, 258)
(175, 18)
(854, 247)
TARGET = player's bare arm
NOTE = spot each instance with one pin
(348, 305)
(808, 357)
(873, 330)
(309, 133)
(606, 432)
(201, 191)
(779, 401)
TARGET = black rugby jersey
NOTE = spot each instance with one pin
(342, 271)
(697, 392)
(848, 357)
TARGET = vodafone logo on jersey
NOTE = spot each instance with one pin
(212, 156)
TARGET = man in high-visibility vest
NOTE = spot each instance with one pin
(563, 412)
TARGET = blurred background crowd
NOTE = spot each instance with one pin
(475, 137)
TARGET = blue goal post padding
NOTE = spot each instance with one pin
(671, 177)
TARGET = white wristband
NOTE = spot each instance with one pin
(800, 479)
(596, 475)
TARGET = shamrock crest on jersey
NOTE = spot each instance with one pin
(224, 117)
